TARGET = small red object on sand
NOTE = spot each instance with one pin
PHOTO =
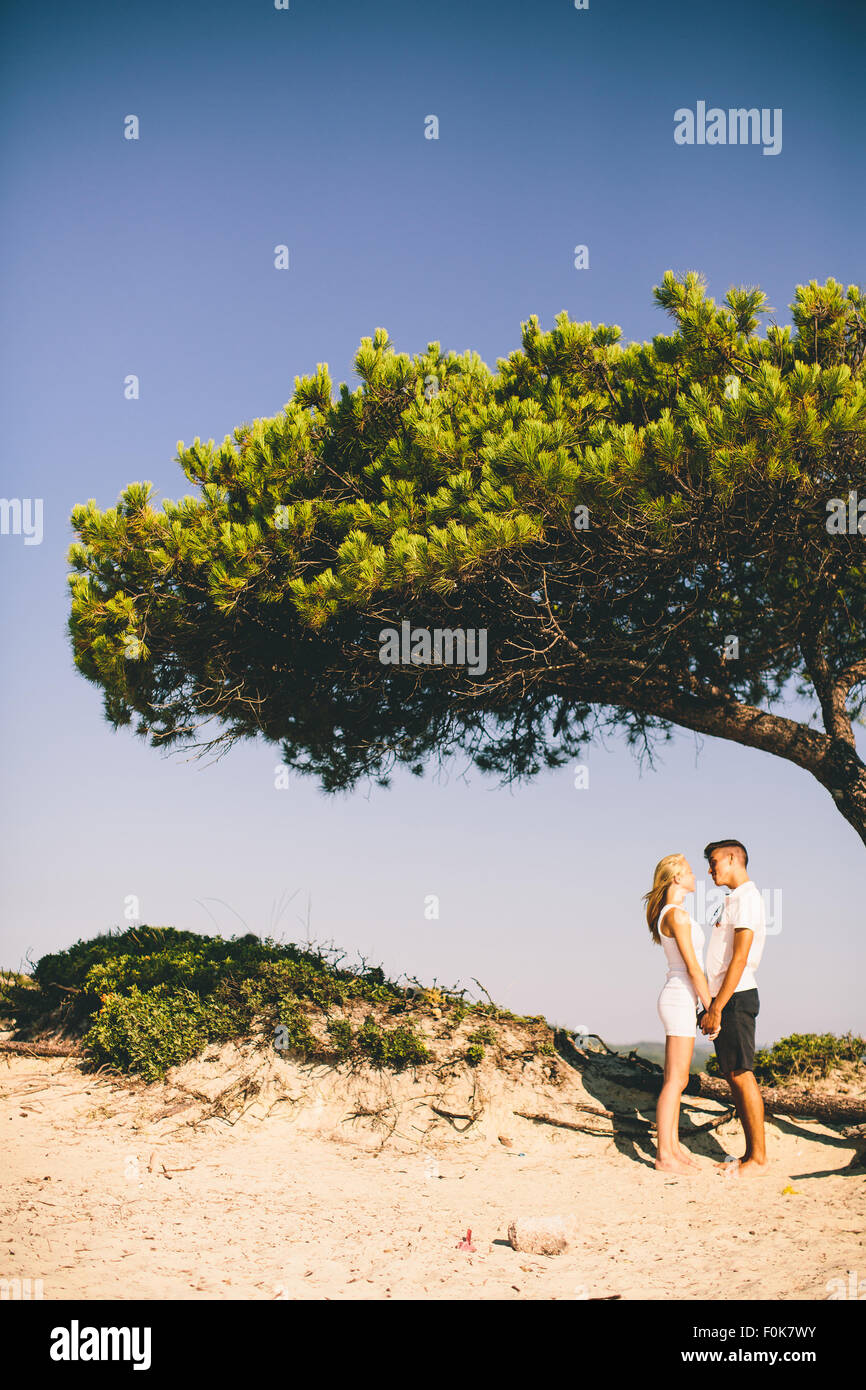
(466, 1242)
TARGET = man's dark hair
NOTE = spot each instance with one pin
(726, 844)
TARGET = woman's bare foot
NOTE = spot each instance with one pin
(674, 1165)
(686, 1157)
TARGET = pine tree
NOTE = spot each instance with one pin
(659, 534)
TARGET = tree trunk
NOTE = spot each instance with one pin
(832, 759)
(844, 776)
(787, 1100)
(639, 1074)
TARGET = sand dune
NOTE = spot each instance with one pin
(246, 1176)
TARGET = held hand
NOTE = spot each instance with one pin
(711, 1021)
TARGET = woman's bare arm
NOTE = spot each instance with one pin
(681, 927)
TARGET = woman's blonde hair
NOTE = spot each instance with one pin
(665, 872)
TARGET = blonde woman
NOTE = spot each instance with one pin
(683, 941)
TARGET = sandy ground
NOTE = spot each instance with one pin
(125, 1193)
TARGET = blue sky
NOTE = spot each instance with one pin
(155, 257)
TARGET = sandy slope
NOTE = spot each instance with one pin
(286, 1196)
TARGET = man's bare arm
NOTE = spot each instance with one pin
(743, 938)
(711, 1021)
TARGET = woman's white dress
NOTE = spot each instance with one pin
(678, 1001)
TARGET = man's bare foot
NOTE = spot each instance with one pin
(752, 1166)
(674, 1165)
(748, 1165)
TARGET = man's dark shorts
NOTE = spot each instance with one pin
(735, 1045)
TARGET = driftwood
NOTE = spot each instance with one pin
(41, 1049)
(633, 1124)
(793, 1100)
(623, 1123)
(639, 1074)
(714, 1123)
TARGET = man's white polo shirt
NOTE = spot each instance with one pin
(744, 907)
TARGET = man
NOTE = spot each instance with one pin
(733, 956)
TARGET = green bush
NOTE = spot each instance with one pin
(298, 1037)
(399, 1047)
(340, 1030)
(148, 998)
(148, 1033)
(802, 1055)
(394, 1047)
(13, 990)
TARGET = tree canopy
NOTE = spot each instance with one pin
(651, 535)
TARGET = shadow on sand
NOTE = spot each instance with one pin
(619, 1084)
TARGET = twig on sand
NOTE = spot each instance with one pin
(165, 1172)
(621, 1122)
(638, 1126)
(715, 1122)
(452, 1115)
